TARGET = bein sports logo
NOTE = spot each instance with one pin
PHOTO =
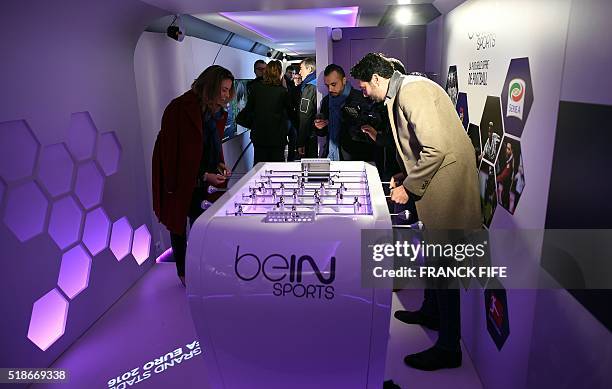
(516, 98)
(286, 274)
(484, 40)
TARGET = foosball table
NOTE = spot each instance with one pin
(274, 279)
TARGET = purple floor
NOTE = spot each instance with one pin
(153, 319)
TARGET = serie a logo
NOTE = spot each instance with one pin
(286, 274)
(516, 98)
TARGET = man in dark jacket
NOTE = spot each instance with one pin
(307, 109)
(342, 112)
(268, 105)
(258, 68)
(293, 94)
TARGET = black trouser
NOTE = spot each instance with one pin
(311, 147)
(348, 156)
(291, 149)
(179, 242)
(444, 305)
(269, 154)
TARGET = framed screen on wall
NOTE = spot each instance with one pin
(236, 105)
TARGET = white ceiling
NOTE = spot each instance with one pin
(291, 31)
(206, 6)
(285, 25)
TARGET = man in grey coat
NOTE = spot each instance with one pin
(438, 160)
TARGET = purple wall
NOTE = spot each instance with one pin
(72, 162)
(586, 77)
(570, 347)
(406, 44)
(554, 340)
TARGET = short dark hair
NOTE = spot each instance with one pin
(370, 64)
(332, 67)
(258, 62)
(310, 63)
(397, 65)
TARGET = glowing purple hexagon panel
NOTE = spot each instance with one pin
(109, 153)
(89, 185)
(65, 222)
(26, 210)
(121, 238)
(55, 168)
(48, 320)
(82, 135)
(141, 245)
(96, 231)
(74, 271)
(18, 149)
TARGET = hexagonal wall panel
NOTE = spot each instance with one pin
(510, 174)
(474, 134)
(89, 185)
(452, 84)
(26, 210)
(55, 168)
(81, 137)
(517, 96)
(488, 192)
(491, 128)
(48, 320)
(65, 222)
(96, 231)
(109, 153)
(141, 245)
(496, 309)
(74, 271)
(18, 150)
(462, 109)
(121, 238)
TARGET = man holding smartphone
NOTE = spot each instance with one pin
(345, 141)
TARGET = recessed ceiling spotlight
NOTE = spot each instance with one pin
(403, 16)
(404, 2)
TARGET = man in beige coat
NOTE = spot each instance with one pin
(437, 158)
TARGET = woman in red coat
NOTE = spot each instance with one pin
(188, 156)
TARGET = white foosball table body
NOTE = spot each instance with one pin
(279, 304)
